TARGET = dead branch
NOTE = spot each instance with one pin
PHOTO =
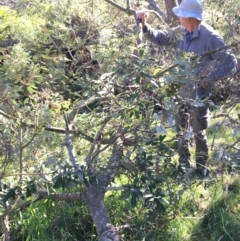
(132, 12)
(226, 115)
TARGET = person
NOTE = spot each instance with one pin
(197, 37)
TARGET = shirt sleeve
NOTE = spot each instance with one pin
(226, 61)
(159, 37)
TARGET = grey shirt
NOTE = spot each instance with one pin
(203, 39)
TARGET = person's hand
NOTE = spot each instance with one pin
(205, 84)
(142, 16)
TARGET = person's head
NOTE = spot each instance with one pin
(190, 13)
(189, 23)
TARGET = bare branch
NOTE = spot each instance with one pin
(127, 11)
(71, 196)
(96, 140)
(82, 104)
(219, 126)
(132, 12)
(5, 115)
(157, 9)
(232, 103)
(226, 115)
(233, 145)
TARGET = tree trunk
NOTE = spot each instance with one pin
(5, 227)
(154, 5)
(94, 200)
(172, 18)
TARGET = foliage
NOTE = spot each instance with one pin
(61, 56)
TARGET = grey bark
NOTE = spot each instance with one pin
(155, 7)
(169, 5)
(93, 196)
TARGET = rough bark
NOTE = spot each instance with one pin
(95, 203)
(155, 7)
(95, 196)
(170, 15)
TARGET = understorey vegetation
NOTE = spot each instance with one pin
(87, 135)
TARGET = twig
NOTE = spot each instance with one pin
(226, 115)
(213, 141)
(132, 12)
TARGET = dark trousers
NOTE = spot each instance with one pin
(192, 118)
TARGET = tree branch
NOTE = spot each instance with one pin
(156, 8)
(132, 12)
(115, 159)
(71, 196)
(69, 145)
(226, 115)
(159, 74)
(96, 140)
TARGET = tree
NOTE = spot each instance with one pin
(73, 147)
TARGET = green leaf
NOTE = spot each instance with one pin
(58, 183)
(165, 200)
(33, 188)
(160, 207)
(149, 174)
(31, 89)
(10, 194)
(159, 179)
(156, 71)
(28, 193)
(141, 52)
(134, 200)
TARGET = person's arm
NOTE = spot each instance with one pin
(159, 37)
